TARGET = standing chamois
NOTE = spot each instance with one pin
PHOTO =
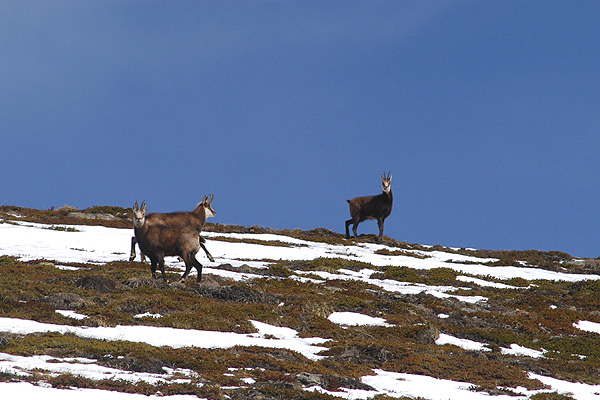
(158, 241)
(371, 207)
(193, 219)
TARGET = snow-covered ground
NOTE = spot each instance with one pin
(94, 244)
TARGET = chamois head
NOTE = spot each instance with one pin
(139, 214)
(208, 210)
(386, 182)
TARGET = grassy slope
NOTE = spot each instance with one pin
(112, 294)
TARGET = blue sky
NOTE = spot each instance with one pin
(487, 113)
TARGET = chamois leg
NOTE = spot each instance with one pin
(354, 222)
(348, 223)
(161, 264)
(198, 268)
(207, 253)
(188, 268)
(354, 229)
(153, 264)
(190, 260)
(132, 252)
(380, 225)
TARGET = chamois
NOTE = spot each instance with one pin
(371, 207)
(195, 219)
(158, 241)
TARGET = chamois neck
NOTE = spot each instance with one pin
(388, 194)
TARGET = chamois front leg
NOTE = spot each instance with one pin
(132, 252)
(380, 224)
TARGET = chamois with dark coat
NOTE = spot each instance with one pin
(194, 219)
(371, 207)
(158, 241)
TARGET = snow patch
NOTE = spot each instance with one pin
(356, 319)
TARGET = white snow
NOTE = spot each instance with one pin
(588, 326)
(579, 391)
(356, 319)
(99, 245)
(481, 282)
(513, 350)
(462, 343)
(286, 338)
(517, 350)
(71, 314)
(26, 366)
(394, 286)
(147, 315)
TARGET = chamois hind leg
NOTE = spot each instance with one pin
(190, 260)
(348, 222)
(161, 264)
(153, 264)
(198, 268)
(211, 258)
(188, 268)
(354, 221)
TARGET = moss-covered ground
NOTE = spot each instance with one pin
(538, 315)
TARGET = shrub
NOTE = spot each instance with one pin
(442, 276)
(403, 274)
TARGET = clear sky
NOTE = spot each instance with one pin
(487, 113)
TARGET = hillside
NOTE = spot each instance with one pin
(288, 315)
